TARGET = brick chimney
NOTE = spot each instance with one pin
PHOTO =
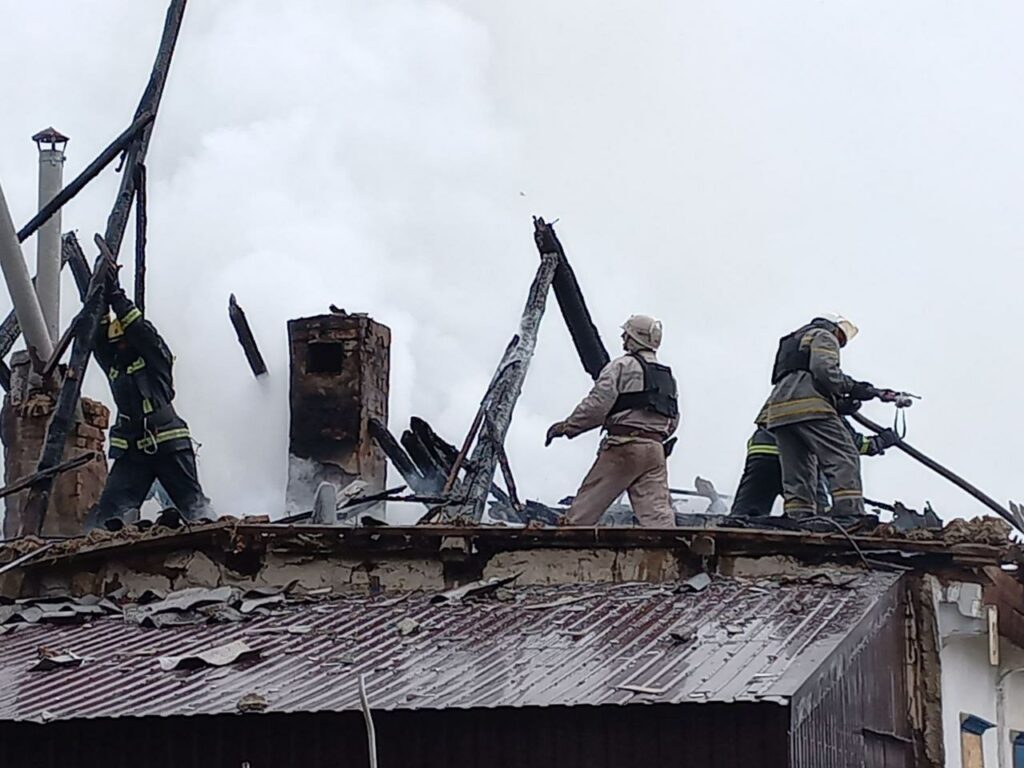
(340, 366)
(23, 421)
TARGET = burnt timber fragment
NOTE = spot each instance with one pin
(35, 477)
(64, 412)
(67, 400)
(577, 317)
(508, 385)
(140, 237)
(244, 333)
(71, 252)
(397, 455)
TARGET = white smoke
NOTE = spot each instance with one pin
(732, 170)
(309, 154)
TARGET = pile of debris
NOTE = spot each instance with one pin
(157, 608)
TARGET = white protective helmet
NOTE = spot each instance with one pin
(849, 329)
(644, 330)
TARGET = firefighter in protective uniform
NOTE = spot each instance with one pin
(761, 482)
(635, 400)
(801, 413)
(148, 440)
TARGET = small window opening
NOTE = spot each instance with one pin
(325, 357)
(972, 750)
(1018, 750)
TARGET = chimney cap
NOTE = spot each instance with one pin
(50, 136)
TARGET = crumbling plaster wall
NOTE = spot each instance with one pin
(453, 565)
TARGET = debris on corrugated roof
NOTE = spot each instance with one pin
(50, 658)
(219, 656)
(252, 702)
(474, 589)
(649, 637)
(696, 583)
(407, 626)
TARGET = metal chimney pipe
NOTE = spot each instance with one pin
(19, 284)
(51, 145)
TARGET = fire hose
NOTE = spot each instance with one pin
(904, 400)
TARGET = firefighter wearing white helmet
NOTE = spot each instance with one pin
(808, 383)
(635, 401)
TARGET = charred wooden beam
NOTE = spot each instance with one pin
(397, 455)
(96, 300)
(425, 460)
(5, 377)
(71, 252)
(245, 337)
(105, 158)
(510, 481)
(150, 102)
(506, 392)
(474, 428)
(34, 512)
(140, 237)
(444, 453)
(61, 347)
(584, 333)
(29, 480)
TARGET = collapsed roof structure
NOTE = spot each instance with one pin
(328, 637)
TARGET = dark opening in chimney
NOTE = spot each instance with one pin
(325, 357)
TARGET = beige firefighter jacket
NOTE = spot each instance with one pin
(808, 395)
(623, 374)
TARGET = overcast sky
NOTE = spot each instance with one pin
(733, 168)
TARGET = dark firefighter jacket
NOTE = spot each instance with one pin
(805, 395)
(142, 384)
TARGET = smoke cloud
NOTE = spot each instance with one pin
(733, 170)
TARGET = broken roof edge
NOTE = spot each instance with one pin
(230, 534)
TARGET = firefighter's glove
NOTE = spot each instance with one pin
(887, 438)
(555, 430)
(862, 391)
(847, 406)
(119, 301)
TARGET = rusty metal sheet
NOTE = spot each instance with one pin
(593, 644)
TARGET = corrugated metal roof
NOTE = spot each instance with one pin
(751, 640)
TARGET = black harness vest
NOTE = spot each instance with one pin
(660, 393)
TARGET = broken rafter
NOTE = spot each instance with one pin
(507, 388)
(140, 237)
(245, 337)
(119, 145)
(474, 428)
(581, 326)
(85, 335)
(397, 455)
(71, 252)
(29, 480)
(38, 500)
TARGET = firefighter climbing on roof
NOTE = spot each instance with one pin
(148, 440)
(801, 413)
(635, 400)
(761, 482)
